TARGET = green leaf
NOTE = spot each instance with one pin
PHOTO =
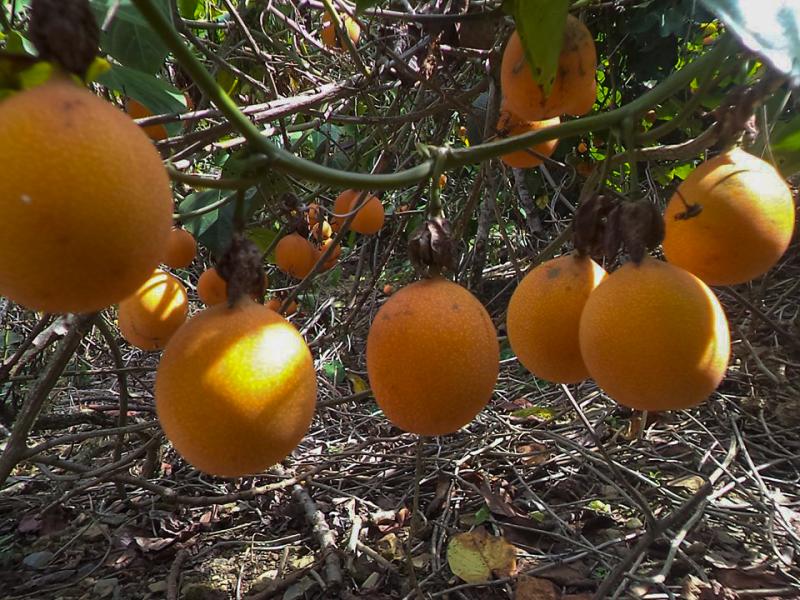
(129, 38)
(334, 370)
(540, 412)
(188, 8)
(770, 28)
(17, 43)
(214, 229)
(540, 25)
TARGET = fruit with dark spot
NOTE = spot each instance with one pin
(544, 313)
(508, 125)
(574, 89)
(85, 200)
(731, 220)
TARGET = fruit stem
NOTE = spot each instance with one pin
(629, 136)
(293, 165)
(435, 208)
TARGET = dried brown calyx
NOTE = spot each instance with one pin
(65, 32)
(431, 247)
(604, 225)
(242, 268)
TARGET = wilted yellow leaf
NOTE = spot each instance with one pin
(477, 556)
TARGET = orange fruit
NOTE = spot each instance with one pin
(508, 125)
(275, 304)
(388, 289)
(334, 256)
(745, 225)
(582, 148)
(328, 33)
(341, 206)
(148, 318)
(235, 389)
(574, 89)
(432, 357)
(181, 249)
(313, 214)
(654, 337)
(85, 201)
(137, 110)
(211, 287)
(544, 313)
(295, 255)
(369, 218)
(442, 181)
(321, 231)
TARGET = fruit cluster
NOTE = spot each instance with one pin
(527, 107)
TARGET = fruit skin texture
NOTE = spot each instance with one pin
(522, 159)
(745, 226)
(181, 249)
(655, 337)
(137, 110)
(369, 218)
(295, 255)
(149, 317)
(544, 314)
(235, 390)
(574, 90)
(211, 288)
(85, 201)
(432, 357)
(328, 33)
(341, 206)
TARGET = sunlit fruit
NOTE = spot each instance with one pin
(211, 287)
(333, 258)
(654, 337)
(544, 314)
(148, 318)
(731, 220)
(432, 357)
(508, 125)
(235, 390)
(295, 255)
(321, 231)
(85, 201)
(369, 218)
(181, 249)
(137, 110)
(574, 89)
(328, 33)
